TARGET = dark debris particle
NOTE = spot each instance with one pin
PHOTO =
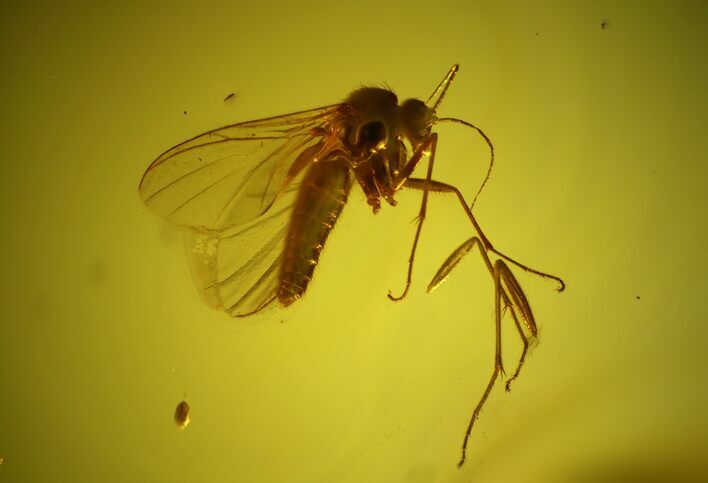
(182, 414)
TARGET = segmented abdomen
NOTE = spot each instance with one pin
(322, 196)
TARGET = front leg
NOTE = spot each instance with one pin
(426, 148)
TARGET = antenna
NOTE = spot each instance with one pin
(437, 96)
(489, 143)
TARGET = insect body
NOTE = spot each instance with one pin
(258, 200)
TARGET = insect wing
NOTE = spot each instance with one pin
(229, 176)
(237, 269)
(233, 189)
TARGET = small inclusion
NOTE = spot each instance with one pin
(182, 418)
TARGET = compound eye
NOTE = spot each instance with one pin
(372, 135)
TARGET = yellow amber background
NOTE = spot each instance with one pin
(600, 178)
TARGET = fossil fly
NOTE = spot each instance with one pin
(258, 199)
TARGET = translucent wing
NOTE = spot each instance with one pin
(233, 189)
(237, 269)
(231, 175)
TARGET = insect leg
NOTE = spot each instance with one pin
(520, 306)
(517, 293)
(510, 281)
(438, 187)
(428, 147)
(499, 294)
(526, 341)
(506, 288)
